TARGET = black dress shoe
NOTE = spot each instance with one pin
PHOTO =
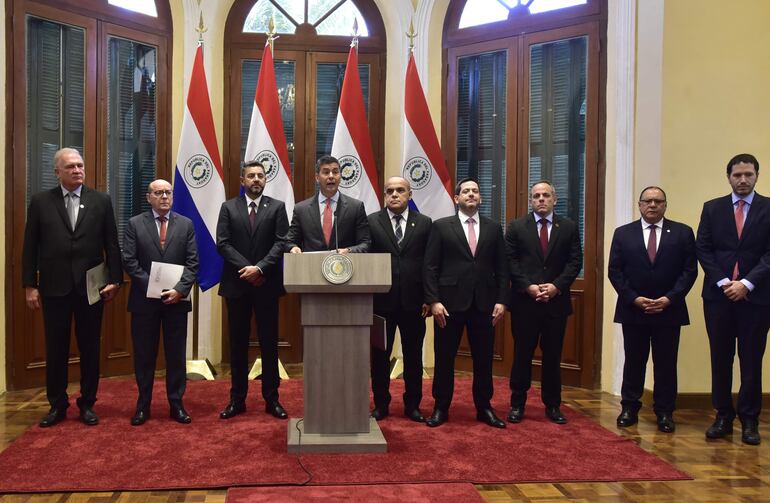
(555, 415)
(438, 418)
(516, 414)
(232, 409)
(721, 428)
(88, 416)
(627, 418)
(140, 417)
(415, 415)
(180, 415)
(380, 413)
(666, 423)
(750, 434)
(487, 416)
(275, 409)
(54, 416)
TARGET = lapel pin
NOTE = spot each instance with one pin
(412, 224)
(82, 206)
(668, 230)
(557, 225)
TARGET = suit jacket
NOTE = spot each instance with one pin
(718, 247)
(672, 274)
(350, 230)
(240, 247)
(406, 261)
(560, 265)
(456, 278)
(141, 247)
(62, 256)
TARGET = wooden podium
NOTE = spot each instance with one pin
(336, 322)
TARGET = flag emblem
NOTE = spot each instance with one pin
(417, 171)
(270, 161)
(197, 171)
(350, 171)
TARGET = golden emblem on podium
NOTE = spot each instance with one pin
(337, 269)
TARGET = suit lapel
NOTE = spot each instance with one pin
(85, 204)
(58, 196)
(152, 230)
(315, 217)
(264, 205)
(458, 229)
(533, 235)
(757, 206)
(408, 231)
(170, 231)
(242, 211)
(384, 221)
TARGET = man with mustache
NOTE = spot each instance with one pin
(733, 247)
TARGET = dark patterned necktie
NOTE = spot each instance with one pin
(399, 232)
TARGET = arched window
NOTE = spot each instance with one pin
(93, 75)
(525, 101)
(310, 56)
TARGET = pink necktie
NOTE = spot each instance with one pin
(471, 235)
(162, 232)
(740, 218)
(327, 221)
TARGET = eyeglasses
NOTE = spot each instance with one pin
(161, 193)
(650, 201)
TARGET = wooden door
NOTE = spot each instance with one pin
(548, 82)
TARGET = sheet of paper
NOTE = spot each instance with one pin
(163, 276)
(96, 279)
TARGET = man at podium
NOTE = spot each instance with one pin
(329, 220)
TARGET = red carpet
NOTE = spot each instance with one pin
(395, 493)
(251, 448)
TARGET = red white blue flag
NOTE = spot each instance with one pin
(267, 141)
(423, 163)
(199, 190)
(352, 145)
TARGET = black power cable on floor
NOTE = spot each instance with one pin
(299, 454)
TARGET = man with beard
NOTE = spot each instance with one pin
(733, 247)
(329, 220)
(466, 285)
(250, 237)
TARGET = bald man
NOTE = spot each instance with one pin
(159, 235)
(403, 234)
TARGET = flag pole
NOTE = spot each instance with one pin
(198, 370)
(256, 368)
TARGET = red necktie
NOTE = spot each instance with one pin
(652, 244)
(327, 221)
(740, 218)
(471, 235)
(162, 221)
(544, 236)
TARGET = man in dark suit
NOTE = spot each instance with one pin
(403, 234)
(466, 284)
(250, 237)
(159, 235)
(652, 267)
(70, 229)
(733, 247)
(545, 257)
(329, 220)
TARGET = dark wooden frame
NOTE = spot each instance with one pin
(307, 49)
(516, 35)
(98, 19)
